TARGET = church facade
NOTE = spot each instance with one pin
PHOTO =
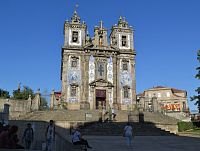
(95, 72)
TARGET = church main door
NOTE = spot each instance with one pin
(100, 98)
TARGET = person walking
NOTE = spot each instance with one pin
(28, 136)
(50, 135)
(128, 134)
(113, 114)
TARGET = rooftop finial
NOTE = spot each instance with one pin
(101, 24)
(75, 18)
(124, 19)
(76, 6)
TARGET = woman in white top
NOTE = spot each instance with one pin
(128, 134)
(78, 140)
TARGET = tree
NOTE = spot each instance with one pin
(4, 94)
(197, 97)
(43, 104)
(24, 94)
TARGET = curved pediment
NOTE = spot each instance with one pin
(101, 82)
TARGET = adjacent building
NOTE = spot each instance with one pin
(170, 101)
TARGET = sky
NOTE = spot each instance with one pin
(167, 37)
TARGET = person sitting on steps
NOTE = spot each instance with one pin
(78, 140)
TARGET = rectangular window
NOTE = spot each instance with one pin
(168, 94)
(73, 91)
(125, 66)
(124, 41)
(126, 95)
(74, 63)
(159, 95)
(75, 36)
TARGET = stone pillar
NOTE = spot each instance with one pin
(64, 73)
(35, 103)
(115, 83)
(133, 83)
(118, 81)
(52, 96)
(86, 70)
(154, 104)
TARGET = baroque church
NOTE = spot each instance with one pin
(94, 72)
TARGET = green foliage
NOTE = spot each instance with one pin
(183, 126)
(24, 94)
(4, 94)
(64, 105)
(197, 97)
(43, 104)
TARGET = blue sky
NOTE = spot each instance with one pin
(167, 37)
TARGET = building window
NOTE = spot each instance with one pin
(168, 94)
(126, 93)
(74, 63)
(73, 91)
(124, 66)
(159, 95)
(124, 41)
(75, 36)
(149, 95)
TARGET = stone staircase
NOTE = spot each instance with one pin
(116, 129)
(158, 120)
(93, 115)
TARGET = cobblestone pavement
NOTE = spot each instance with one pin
(144, 143)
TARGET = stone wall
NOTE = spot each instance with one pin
(21, 107)
(16, 105)
(63, 138)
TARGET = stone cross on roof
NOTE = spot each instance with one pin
(101, 24)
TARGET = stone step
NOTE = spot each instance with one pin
(140, 129)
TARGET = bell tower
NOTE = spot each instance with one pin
(74, 32)
(121, 36)
(100, 36)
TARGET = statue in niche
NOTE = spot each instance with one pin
(101, 70)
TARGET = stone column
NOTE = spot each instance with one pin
(52, 100)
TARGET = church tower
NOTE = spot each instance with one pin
(94, 72)
(121, 38)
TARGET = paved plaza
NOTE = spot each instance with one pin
(144, 143)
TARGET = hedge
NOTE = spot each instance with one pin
(183, 126)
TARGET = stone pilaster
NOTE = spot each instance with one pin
(64, 77)
(87, 57)
(133, 82)
(118, 81)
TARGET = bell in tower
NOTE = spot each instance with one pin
(100, 36)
